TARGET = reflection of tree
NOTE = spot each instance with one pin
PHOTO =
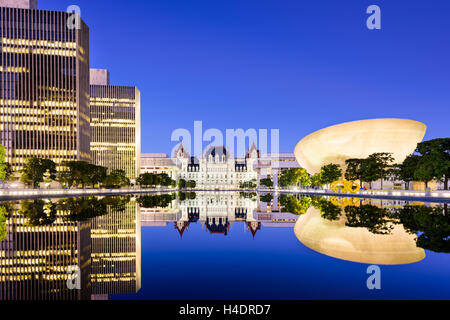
(248, 195)
(3, 214)
(117, 203)
(38, 212)
(432, 225)
(376, 220)
(153, 201)
(328, 209)
(182, 196)
(82, 209)
(293, 205)
(266, 197)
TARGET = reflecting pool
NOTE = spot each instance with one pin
(223, 245)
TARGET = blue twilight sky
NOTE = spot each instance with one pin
(295, 65)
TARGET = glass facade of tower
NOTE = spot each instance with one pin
(44, 86)
(116, 128)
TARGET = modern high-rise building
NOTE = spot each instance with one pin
(115, 124)
(44, 84)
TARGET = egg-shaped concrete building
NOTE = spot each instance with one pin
(357, 244)
(359, 139)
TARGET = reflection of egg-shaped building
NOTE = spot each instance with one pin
(334, 239)
(359, 139)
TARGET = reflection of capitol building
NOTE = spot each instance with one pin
(217, 212)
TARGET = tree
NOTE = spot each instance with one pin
(330, 173)
(116, 179)
(435, 156)
(181, 184)
(33, 171)
(430, 224)
(354, 170)
(266, 197)
(248, 184)
(191, 184)
(293, 205)
(266, 182)
(3, 218)
(154, 201)
(316, 180)
(295, 176)
(3, 166)
(38, 212)
(378, 166)
(405, 171)
(376, 220)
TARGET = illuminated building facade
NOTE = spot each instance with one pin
(44, 85)
(36, 260)
(160, 163)
(115, 125)
(217, 169)
(116, 251)
(217, 212)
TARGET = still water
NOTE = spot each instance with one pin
(223, 245)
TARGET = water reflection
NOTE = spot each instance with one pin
(377, 232)
(43, 241)
(68, 249)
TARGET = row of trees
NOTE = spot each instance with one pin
(431, 161)
(248, 184)
(151, 180)
(182, 184)
(72, 174)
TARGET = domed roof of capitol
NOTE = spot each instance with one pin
(359, 139)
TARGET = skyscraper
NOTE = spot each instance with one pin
(115, 124)
(44, 84)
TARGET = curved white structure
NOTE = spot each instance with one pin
(359, 139)
(334, 239)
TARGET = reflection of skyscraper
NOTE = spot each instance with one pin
(44, 85)
(116, 251)
(35, 260)
(115, 124)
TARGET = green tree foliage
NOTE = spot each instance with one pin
(328, 210)
(84, 208)
(354, 170)
(431, 224)
(376, 220)
(33, 171)
(405, 170)
(117, 203)
(182, 196)
(266, 182)
(248, 184)
(182, 184)
(156, 201)
(316, 180)
(3, 166)
(378, 166)
(266, 197)
(3, 218)
(248, 195)
(116, 179)
(434, 161)
(151, 180)
(38, 212)
(191, 184)
(330, 173)
(294, 177)
(294, 205)
(75, 173)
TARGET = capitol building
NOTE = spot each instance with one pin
(217, 168)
